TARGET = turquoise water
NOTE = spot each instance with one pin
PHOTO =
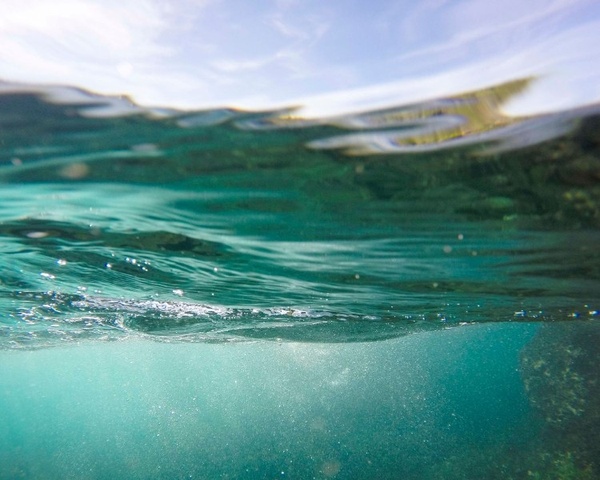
(229, 294)
(139, 409)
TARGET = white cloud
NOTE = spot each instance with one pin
(235, 66)
(566, 65)
(205, 53)
(79, 42)
(87, 29)
(307, 29)
(473, 23)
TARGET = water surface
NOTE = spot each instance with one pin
(233, 294)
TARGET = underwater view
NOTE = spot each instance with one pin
(405, 290)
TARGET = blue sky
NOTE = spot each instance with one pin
(327, 55)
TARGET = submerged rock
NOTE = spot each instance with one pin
(560, 373)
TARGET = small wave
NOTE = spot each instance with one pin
(54, 319)
(474, 118)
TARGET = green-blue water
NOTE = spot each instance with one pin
(230, 294)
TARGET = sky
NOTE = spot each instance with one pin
(325, 56)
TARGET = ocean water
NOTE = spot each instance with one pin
(405, 293)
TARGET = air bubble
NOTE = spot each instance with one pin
(37, 234)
